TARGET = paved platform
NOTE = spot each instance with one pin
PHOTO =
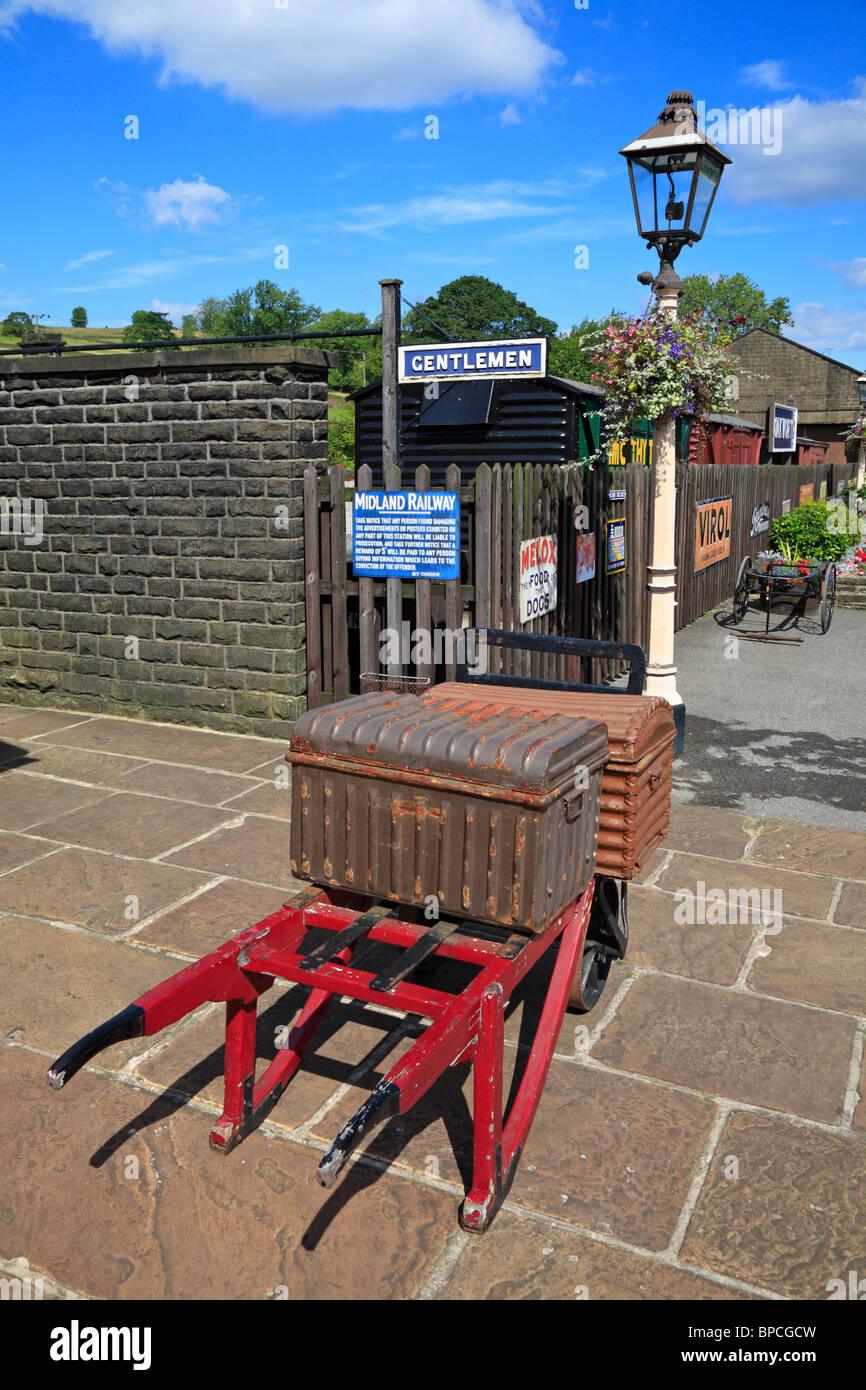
(775, 729)
(702, 1134)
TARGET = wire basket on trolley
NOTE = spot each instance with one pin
(373, 683)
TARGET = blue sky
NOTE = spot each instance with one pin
(269, 123)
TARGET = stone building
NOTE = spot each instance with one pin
(824, 391)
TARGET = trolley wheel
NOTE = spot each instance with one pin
(590, 979)
(602, 946)
(828, 597)
(742, 590)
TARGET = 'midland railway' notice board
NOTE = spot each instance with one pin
(406, 535)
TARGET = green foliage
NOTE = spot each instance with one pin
(571, 354)
(189, 326)
(16, 324)
(360, 357)
(475, 308)
(733, 305)
(209, 317)
(79, 317)
(341, 438)
(260, 309)
(808, 533)
(148, 326)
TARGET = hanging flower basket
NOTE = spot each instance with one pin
(649, 366)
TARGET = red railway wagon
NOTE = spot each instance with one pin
(725, 439)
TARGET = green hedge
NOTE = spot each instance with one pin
(806, 531)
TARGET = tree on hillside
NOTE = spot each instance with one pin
(148, 326)
(209, 317)
(475, 308)
(361, 358)
(259, 309)
(79, 317)
(570, 355)
(15, 324)
(733, 304)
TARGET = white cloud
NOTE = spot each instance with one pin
(584, 77)
(838, 332)
(509, 115)
(144, 272)
(187, 203)
(325, 56)
(453, 206)
(407, 132)
(769, 73)
(2, 266)
(87, 257)
(173, 308)
(821, 154)
(852, 272)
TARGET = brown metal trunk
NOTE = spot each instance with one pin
(461, 811)
(636, 786)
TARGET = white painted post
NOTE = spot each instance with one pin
(661, 675)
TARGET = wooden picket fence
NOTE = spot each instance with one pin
(505, 505)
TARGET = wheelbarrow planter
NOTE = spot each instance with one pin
(517, 801)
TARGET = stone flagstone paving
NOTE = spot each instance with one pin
(701, 1136)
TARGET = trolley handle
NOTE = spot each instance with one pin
(130, 1023)
(581, 647)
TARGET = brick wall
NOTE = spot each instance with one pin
(169, 579)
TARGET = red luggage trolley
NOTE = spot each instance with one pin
(320, 938)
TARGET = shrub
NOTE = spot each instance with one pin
(341, 438)
(805, 533)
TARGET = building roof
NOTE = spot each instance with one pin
(734, 421)
(576, 388)
(802, 346)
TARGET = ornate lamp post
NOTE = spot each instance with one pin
(674, 172)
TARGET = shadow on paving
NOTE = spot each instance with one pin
(730, 767)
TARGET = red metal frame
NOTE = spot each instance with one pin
(464, 1027)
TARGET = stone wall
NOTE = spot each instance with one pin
(824, 391)
(151, 531)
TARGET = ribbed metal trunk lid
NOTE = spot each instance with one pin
(636, 786)
(485, 814)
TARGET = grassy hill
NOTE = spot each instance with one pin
(73, 335)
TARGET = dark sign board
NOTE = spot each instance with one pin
(406, 535)
(783, 429)
(760, 519)
(509, 357)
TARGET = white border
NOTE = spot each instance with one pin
(500, 373)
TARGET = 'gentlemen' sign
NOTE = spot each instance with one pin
(712, 532)
(473, 361)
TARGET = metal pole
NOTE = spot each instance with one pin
(390, 442)
(661, 675)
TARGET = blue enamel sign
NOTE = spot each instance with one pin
(406, 535)
(509, 357)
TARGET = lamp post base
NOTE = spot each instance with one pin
(661, 681)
